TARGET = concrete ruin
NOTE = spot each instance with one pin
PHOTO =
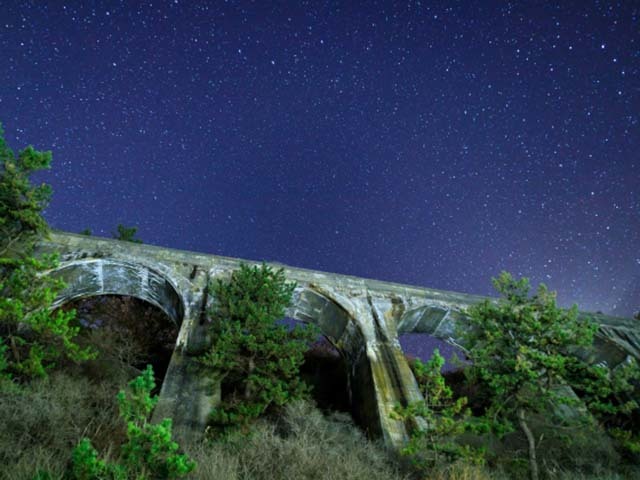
(363, 318)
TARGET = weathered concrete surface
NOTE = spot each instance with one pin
(361, 317)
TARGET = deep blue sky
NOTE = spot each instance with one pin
(428, 143)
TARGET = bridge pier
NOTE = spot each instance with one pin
(187, 398)
(361, 317)
(379, 375)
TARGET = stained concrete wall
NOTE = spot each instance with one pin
(361, 317)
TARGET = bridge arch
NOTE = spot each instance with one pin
(310, 306)
(435, 320)
(378, 375)
(615, 342)
(103, 276)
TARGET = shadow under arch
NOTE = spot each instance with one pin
(435, 321)
(344, 333)
(310, 306)
(98, 277)
(325, 364)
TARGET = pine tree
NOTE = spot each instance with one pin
(522, 349)
(149, 453)
(126, 234)
(257, 359)
(32, 337)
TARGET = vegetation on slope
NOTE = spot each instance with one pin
(526, 362)
(32, 337)
(536, 408)
(36, 340)
(256, 360)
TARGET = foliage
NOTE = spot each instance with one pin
(126, 234)
(445, 418)
(606, 392)
(21, 204)
(517, 345)
(609, 395)
(125, 331)
(149, 452)
(42, 420)
(302, 442)
(258, 359)
(86, 231)
(4, 376)
(523, 350)
(33, 337)
(87, 466)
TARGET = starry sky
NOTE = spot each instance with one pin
(427, 143)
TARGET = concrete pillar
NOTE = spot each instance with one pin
(379, 375)
(187, 396)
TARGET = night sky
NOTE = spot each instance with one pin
(427, 143)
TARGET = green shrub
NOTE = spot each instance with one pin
(149, 452)
(34, 337)
(257, 360)
(299, 443)
(446, 419)
(126, 234)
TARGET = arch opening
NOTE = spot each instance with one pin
(426, 328)
(326, 366)
(134, 313)
(422, 345)
(93, 277)
(336, 325)
(324, 369)
(128, 334)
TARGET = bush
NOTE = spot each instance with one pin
(301, 443)
(149, 452)
(43, 420)
(446, 419)
(257, 360)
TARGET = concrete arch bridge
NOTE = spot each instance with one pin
(361, 317)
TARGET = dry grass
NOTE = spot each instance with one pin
(462, 471)
(302, 444)
(43, 421)
(470, 472)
